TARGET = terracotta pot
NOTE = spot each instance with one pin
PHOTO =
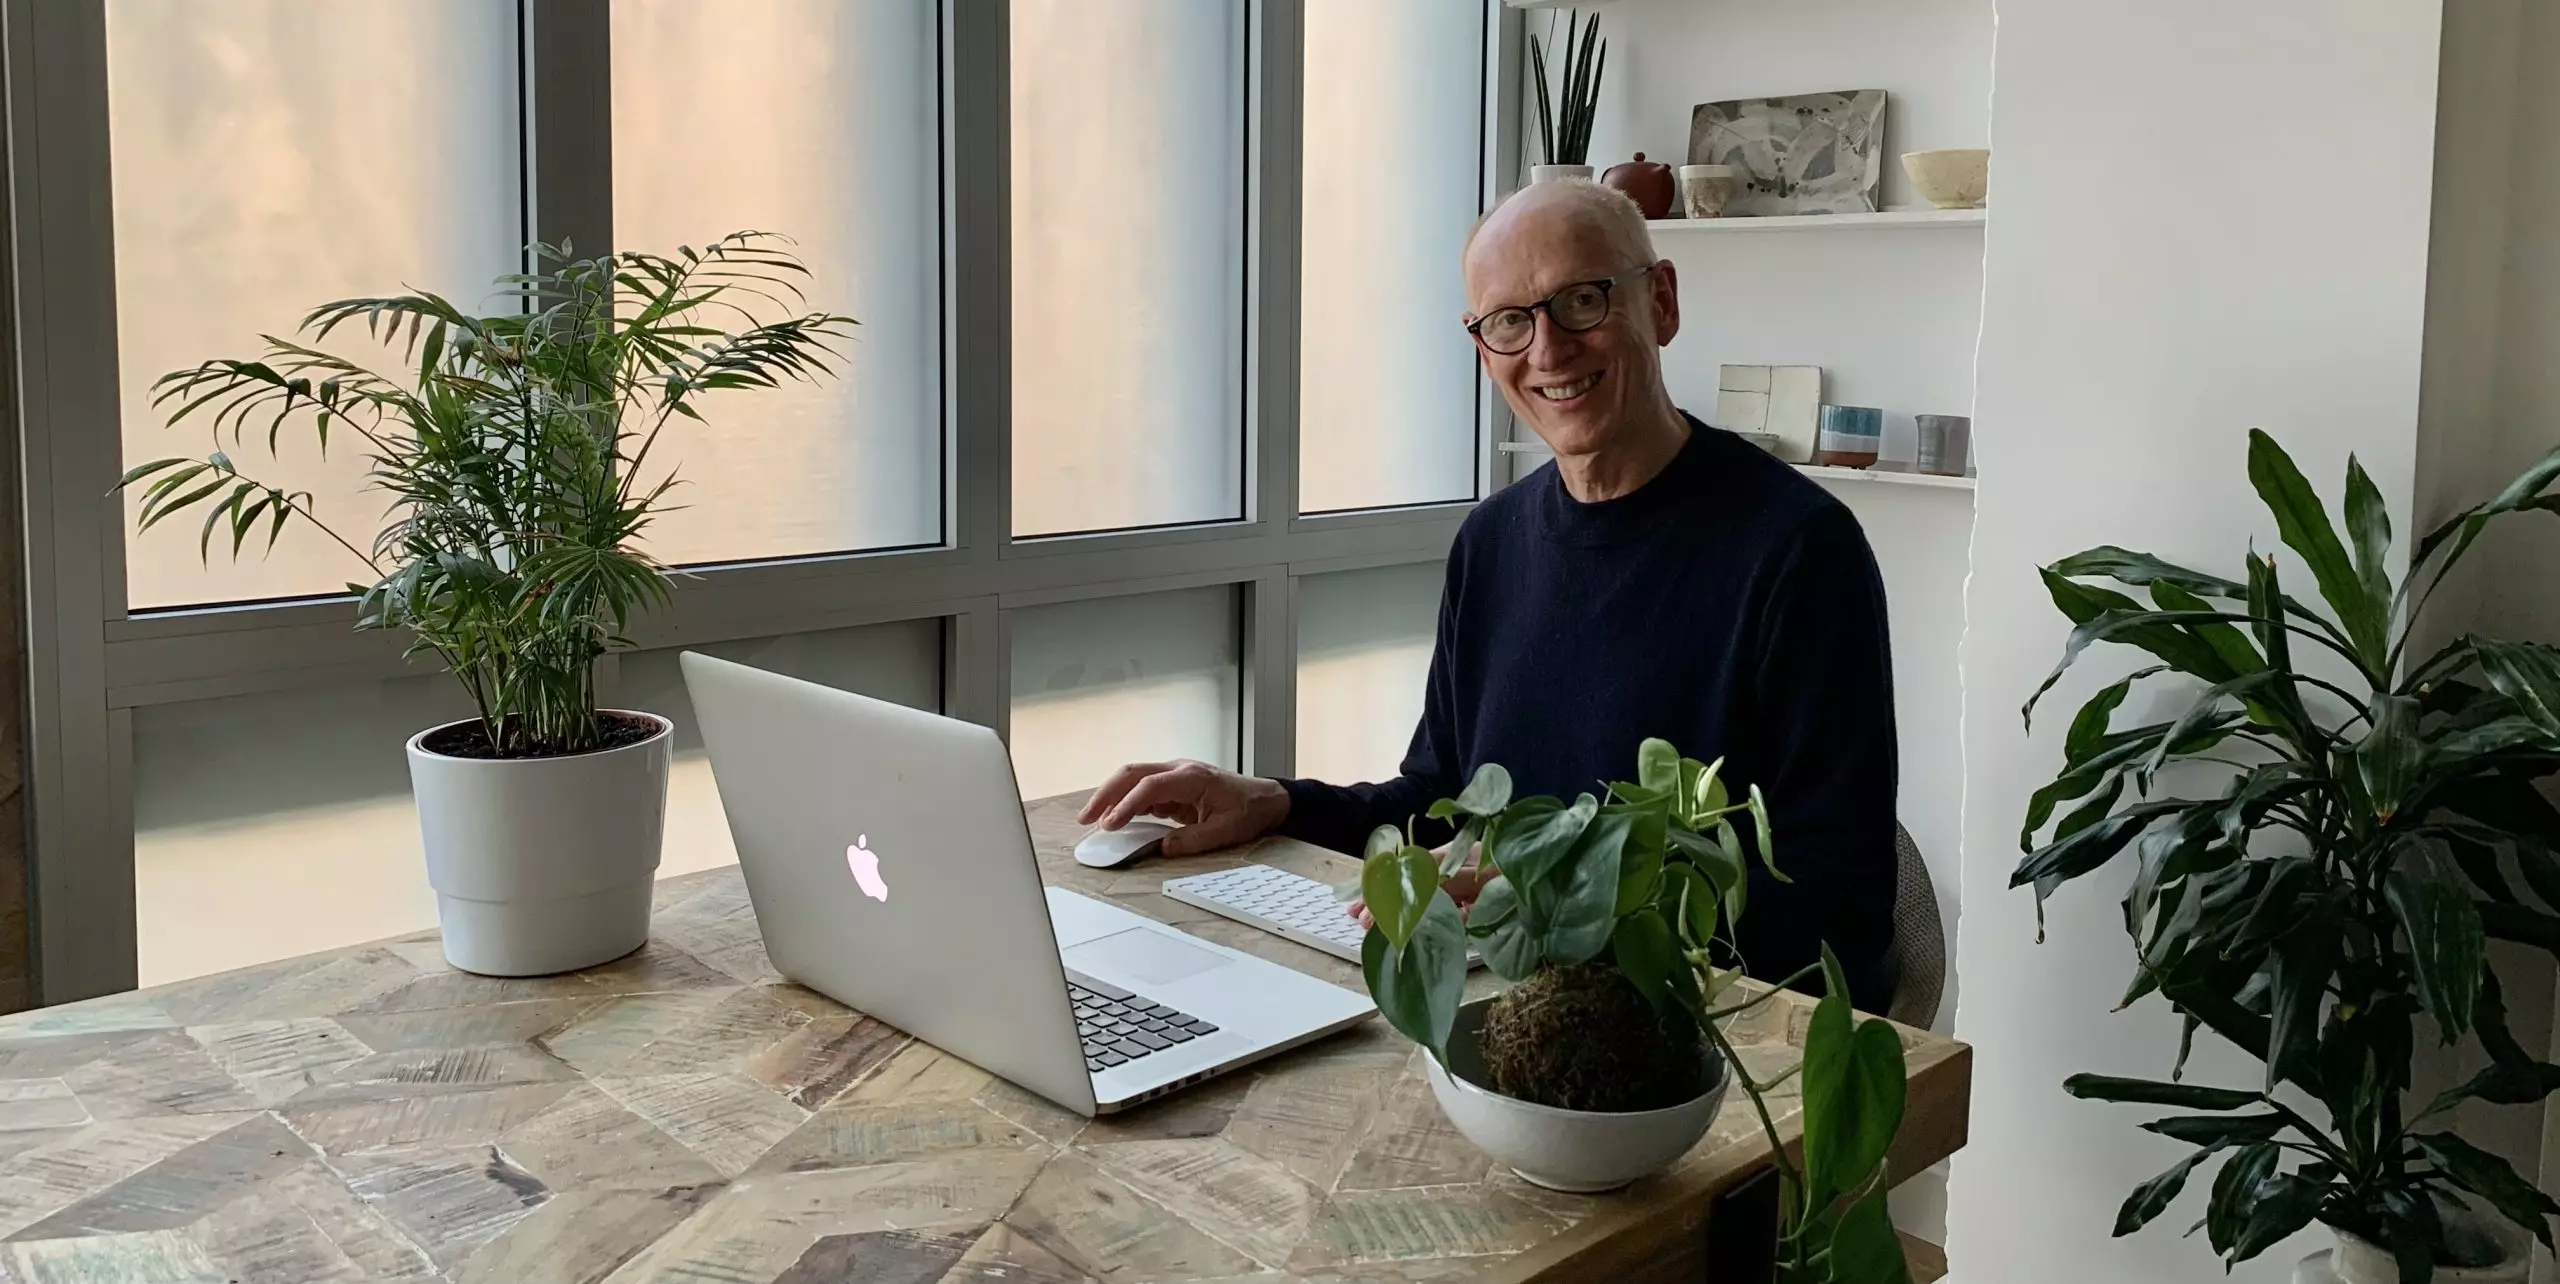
(1648, 183)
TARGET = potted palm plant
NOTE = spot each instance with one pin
(1605, 1060)
(2320, 841)
(514, 455)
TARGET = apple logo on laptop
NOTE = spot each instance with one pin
(866, 868)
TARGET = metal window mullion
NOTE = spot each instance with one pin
(64, 263)
(568, 124)
(1505, 80)
(977, 108)
(1276, 131)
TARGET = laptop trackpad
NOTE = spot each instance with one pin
(1142, 955)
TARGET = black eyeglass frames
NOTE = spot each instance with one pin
(1508, 332)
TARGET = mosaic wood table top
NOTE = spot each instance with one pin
(684, 1114)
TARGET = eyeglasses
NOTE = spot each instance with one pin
(1508, 332)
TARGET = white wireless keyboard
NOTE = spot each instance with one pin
(1292, 906)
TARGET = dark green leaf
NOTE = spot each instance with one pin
(1417, 987)
(2223, 636)
(2089, 726)
(1461, 849)
(2527, 673)
(1854, 1092)
(1531, 846)
(2071, 857)
(1760, 834)
(2392, 755)
(1488, 792)
(1495, 904)
(2224, 1130)
(2200, 713)
(1864, 1247)
(2304, 523)
(2099, 616)
(1579, 926)
(1398, 887)
(1640, 869)
(2489, 1177)
(2415, 1231)
(1643, 949)
(1515, 950)
(2369, 525)
(2267, 607)
(2305, 957)
(1691, 900)
(2153, 1197)
(2465, 527)
(2235, 1191)
(2447, 949)
(2283, 1205)
(2150, 1092)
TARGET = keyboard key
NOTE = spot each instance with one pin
(1154, 1042)
(1112, 1057)
(1201, 1028)
(1093, 1064)
(1101, 989)
(1130, 1048)
(1178, 1034)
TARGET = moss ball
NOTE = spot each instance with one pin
(1584, 1038)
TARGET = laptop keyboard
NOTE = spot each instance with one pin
(1118, 1027)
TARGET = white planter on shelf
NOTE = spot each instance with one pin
(1551, 173)
(2357, 1261)
(542, 865)
(1581, 1151)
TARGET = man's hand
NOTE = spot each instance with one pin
(1217, 808)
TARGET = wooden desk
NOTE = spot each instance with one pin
(684, 1114)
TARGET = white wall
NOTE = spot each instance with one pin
(2207, 216)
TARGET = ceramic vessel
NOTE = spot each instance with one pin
(542, 865)
(1704, 189)
(1570, 1150)
(2358, 1261)
(1850, 436)
(1951, 178)
(1551, 173)
(1647, 183)
(1946, 444)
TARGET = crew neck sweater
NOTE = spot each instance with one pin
(1730, 606)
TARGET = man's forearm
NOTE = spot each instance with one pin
(1341, 816)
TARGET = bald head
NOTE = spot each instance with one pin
(1574, 207)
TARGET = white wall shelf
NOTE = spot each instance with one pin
(1824, 222)
(1887, 473)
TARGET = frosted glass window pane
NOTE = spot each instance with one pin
(820, 120)
(1364, 653)
(1128, 263)
(270, 156)
(276, 824)
(899, 662)
(1123, 679)
(1387, 380)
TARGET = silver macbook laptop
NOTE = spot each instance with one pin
(891, 869)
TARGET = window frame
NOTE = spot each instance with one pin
(91, 662)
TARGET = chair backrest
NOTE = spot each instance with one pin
(1919, 938)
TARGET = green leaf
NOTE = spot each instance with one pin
(1515, 949)
(1658, 766)
(2223, 636)
(2101, 616)
(1488, 792)
(2198, 714)
(1760, 832)
(2447, 945)
(2304, 523)
(2527, 673)
(2153, 1197)
(1691, 901)
(2305, 957)
(2415, 1231)
(2068, 858)
(2089, 726)
(1531, 846)
(1643, 949)
(1399, 887)
(1385, 840)
(2149, 1092)
(2489, 1177)
(1854, 1093)
(2464, 527)
(2540, 870)
(2235, 1189)
(2221, 1130)
(2282, 1205)
(1495, 904)
(2392, 755)
(2267, 609)
(1721, 865)
(1461, 848)
(1864, 1247)
(1640, 869)
(1417, 987)
(2369, 525)
(1579, 927)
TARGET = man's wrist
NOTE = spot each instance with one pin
(1267, 802)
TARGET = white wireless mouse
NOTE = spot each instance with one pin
(1108, 848)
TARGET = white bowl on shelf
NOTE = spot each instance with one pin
(1951, 178)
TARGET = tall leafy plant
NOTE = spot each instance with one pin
(513, 452)
(1564, 135)
(2320, 839)
(1650, 881)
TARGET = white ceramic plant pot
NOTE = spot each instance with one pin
(1550, 173)
(2358, 1261)
(542, 865)
(1571, 1150)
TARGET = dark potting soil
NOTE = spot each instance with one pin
(1584, 1038)
(471, 739)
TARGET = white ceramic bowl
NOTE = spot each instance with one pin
(1571, 1150)
(1951, 178)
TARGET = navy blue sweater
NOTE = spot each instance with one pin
(1730, 606)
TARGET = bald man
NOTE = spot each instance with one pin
(1660, 578)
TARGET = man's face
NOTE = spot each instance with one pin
(1576, 390)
